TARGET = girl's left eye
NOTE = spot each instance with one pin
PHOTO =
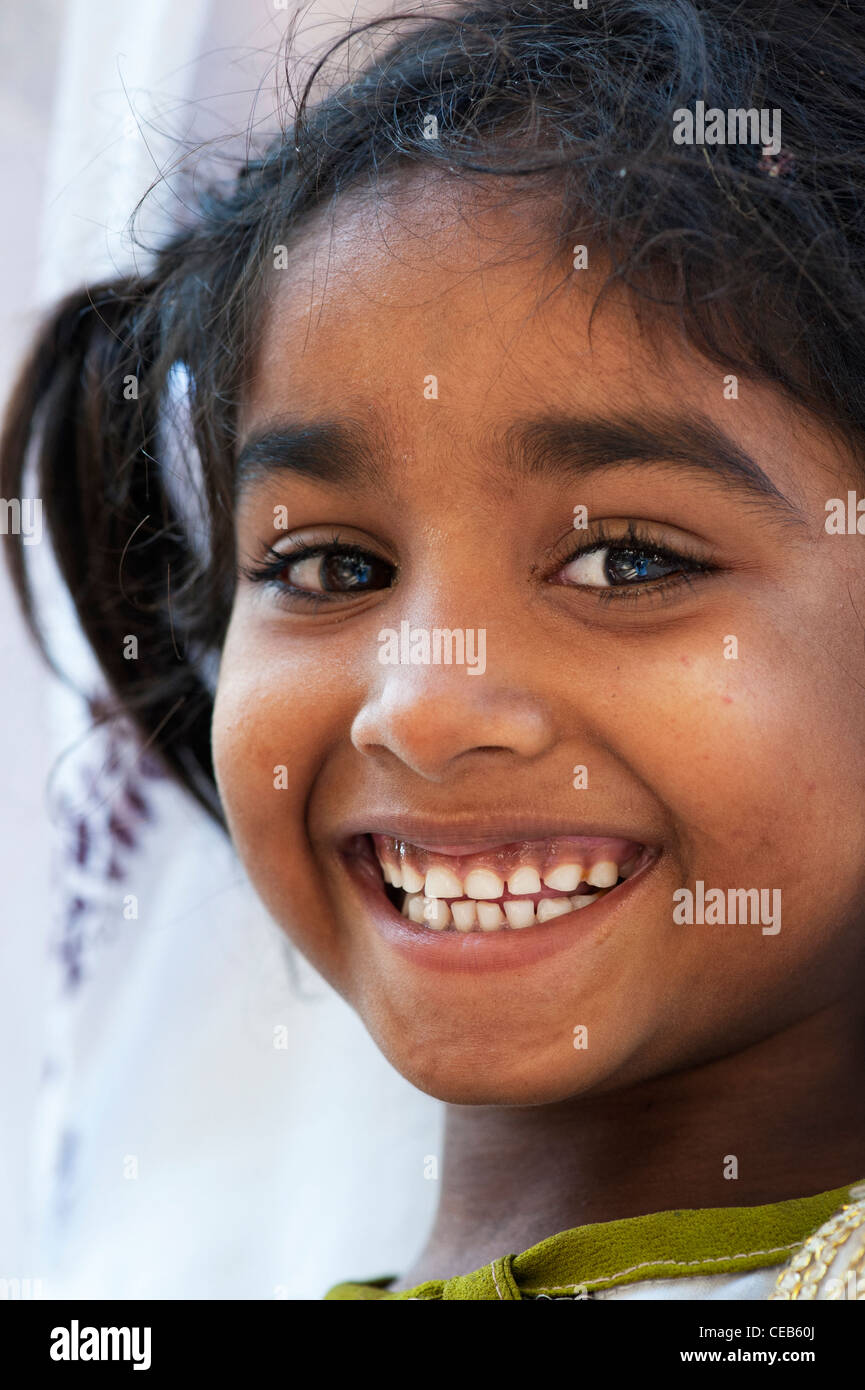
(610, 565)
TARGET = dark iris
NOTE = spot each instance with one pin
(339, 572)
(624, 565)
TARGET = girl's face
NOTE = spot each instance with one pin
(428, 406)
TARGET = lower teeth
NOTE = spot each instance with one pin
(469, 914)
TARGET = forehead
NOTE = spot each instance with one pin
(433, 277)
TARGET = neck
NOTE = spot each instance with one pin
(790, 1110)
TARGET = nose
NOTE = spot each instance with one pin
(436, 719)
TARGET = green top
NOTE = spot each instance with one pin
(662, 1245)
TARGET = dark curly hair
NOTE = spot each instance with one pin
(762, 260)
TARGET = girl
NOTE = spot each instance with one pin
(513, 631)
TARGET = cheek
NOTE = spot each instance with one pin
(271, 730)
(758, 759)
(745, 741)
(276, 715)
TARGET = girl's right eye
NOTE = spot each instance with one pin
(324, 573)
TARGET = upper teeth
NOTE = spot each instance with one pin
(564, 876)
(469, 896)
(486, 884)
(480, 883)
(412, 881)
(528, 880)
(441, 883)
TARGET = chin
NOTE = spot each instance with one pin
(477, 1072)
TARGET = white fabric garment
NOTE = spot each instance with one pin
(752, 1284)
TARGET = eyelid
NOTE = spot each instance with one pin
(331, 538)
(635, 534)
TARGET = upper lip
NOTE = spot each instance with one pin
(473, 834)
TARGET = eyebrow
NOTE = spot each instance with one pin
(574, 447)
(341, 452)
(344, 453)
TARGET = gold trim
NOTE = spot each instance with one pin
(803, 1277)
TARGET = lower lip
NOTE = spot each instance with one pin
(478, 951)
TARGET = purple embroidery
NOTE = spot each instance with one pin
(101, 811)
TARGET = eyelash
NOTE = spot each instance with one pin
(692, 565)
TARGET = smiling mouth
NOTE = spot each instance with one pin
(509, 887)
